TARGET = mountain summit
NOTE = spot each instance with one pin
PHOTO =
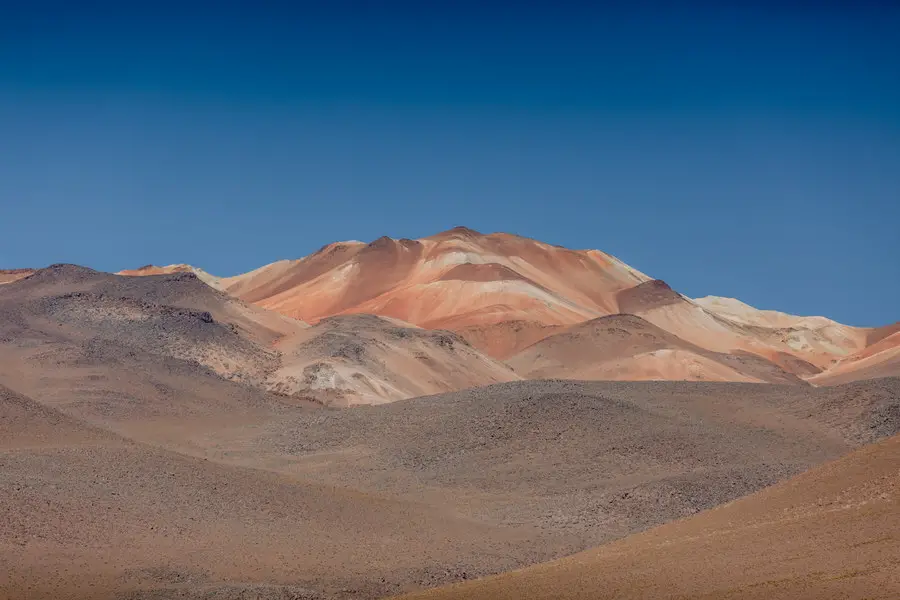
(504, 293)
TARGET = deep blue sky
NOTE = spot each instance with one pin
(747, 152)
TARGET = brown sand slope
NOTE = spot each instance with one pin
(626, 347)
(591, 460)
(829, 533)
(87, 514)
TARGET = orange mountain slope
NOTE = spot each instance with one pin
(503, 293)
(454, 279)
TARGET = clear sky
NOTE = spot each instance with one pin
(745, 152)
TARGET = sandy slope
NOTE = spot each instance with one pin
(87, 514)
(828, 533)
(590, 460)
(234, 493)
(376, 500)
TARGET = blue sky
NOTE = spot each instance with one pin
(746, 152)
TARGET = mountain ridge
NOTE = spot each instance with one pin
(503, 293)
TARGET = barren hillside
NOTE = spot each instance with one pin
(828, 533)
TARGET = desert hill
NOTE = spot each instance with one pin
(364, 359)
(824, 534)
(593, 460)
(395, 497)
(175, 316)
(69, 317)
(86, 514)
(459, 277)
(627, 347)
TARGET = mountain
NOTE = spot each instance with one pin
(503, 293)
(134, 354)
(452, 280)
(823, 534)
(155, 432)
(69, 317)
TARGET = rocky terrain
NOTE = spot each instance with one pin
(375, 500)
(828, 533)
(165, 433)
(85, 513)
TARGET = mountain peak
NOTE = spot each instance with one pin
(458, 231)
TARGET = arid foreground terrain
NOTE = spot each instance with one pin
(161, 437)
